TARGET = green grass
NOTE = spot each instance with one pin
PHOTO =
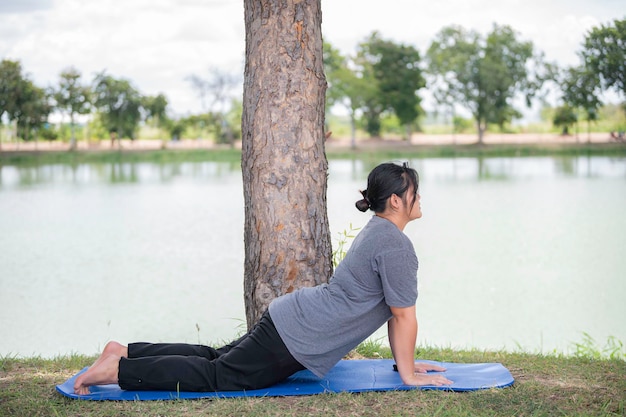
(382, 151)
(545, 385)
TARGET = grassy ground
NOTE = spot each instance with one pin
(544, 386)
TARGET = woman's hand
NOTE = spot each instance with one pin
(427, 379)
(422, 368)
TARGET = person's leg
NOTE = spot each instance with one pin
(258, 360)
(142, 349)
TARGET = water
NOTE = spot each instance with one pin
(515, 253)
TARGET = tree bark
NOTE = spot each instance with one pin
(286, 232)
(481, 130)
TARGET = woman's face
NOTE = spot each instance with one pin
(414, 210)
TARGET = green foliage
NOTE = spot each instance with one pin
(588, 348)
(484, 74)
(176, 128)
(11, 84)
(21, 100)
(581, 89)
(565, 116)
(119, 105)
(374, 348)
(461, 124)
(604, 54)
(396, 68)
(383, 76)
(72, 97)
(345, 236)
(49, 133)
(155, 109)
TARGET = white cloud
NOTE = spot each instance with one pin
(157, 43)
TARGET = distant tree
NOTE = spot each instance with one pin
(346, 87)
(371, 101)
(33, 108)
(388, 79)
(564, 117)
(11, 83)
(604, 54)
(72, 98)
(216, 92)
(286, 232)
(119, 105)
(396, 68)
(175, 128)
(155, 108)
(22, 101)
(484, 74)
(581, 90)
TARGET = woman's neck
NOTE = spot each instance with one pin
(394, 218)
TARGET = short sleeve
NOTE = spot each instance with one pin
(398, 274)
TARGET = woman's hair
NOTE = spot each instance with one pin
(384, 180)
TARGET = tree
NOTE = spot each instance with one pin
(119, 105)
(21, 100)
(604, 54)
(286, 233)
(581, 89)
(72, 98)
(155, 110)
(10, 84)
(33, 109)
(396, 68)
(484, 75)
(218, 90)
(565, 116)
(345, 86)
(372, 105)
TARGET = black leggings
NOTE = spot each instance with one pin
(256, 360)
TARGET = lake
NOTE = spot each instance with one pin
(515, 253)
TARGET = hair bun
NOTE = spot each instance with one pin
(362, 205)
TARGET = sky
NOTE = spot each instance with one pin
(158, 44)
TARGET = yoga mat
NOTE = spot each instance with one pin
(347, 376)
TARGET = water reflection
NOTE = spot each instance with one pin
(511, 247)
(112, 173)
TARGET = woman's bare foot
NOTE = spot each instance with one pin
(112, 348)
(104, 371)
(84, 380)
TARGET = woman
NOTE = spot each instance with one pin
(311, 328)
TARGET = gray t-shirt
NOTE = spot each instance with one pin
(320, 325)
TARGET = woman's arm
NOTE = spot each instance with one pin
(402, 332)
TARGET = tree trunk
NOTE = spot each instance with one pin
(286, 232)
(72, 134)
(352, 128)
(481, 131)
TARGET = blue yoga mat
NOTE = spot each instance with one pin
(346, 376)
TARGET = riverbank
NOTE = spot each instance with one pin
(544, 386)
(418, 139)
(421, 146)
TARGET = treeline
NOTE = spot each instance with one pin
(482, 74)
(461, 68)
(116, 105)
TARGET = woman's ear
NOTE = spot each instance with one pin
(395, 201)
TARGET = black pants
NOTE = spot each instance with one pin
(256, 360)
